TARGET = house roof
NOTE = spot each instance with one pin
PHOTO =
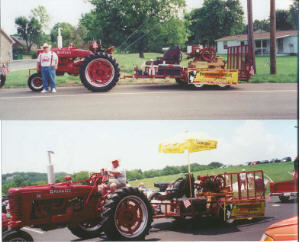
(7, 36)
(262, 35)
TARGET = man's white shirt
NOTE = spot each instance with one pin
(45, 59)
(122, 176)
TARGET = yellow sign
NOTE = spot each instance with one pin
(248, 209)
(213, 77)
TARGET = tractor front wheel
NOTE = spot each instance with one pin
(35, 82)
(86, 230)
(127, 214)
(99, 72)
(2, 80)
(16, 235)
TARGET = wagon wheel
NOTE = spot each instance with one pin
(99, 72)
(127, 214)
(35, 82)
(208, 54)
(219, 182)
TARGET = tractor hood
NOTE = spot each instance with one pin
(69, 52)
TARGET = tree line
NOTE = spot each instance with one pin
(148, 25)
(18, 179)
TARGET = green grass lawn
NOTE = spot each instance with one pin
(276, 171)
(286, 70)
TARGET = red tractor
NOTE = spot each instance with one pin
(123, 215)
(98, 70)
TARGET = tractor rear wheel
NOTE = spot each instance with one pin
(2, 80)
(16, 235)
(86, 230)
(35, 82)
(127, 214)
(99, 72)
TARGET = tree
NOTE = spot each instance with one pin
(41, 14)
(263, 25)
(29, 30)
(129, 23)
(171, 33)
(282, 22)
(216, 18)
(293, 17)
(67, 31)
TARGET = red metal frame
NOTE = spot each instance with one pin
(250, 190)
(239, 58)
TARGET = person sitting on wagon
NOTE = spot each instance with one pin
(117, 178)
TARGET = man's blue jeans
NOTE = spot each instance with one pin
(48, 76)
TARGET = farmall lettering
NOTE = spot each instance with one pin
(54, 191)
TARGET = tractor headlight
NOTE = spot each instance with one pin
(266, 238)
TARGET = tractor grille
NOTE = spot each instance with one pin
(15, 209)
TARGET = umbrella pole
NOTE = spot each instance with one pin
(189, 170)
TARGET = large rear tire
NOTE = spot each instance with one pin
(16, 235)
(99, 72)
(35, 82)
(2, 80)
(127, 215)
(86, 230)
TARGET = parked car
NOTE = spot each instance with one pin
(274, 160)
(265, 162)
(283, 230)
(286, 159)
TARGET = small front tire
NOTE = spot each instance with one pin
(35, 82)
(16, 235)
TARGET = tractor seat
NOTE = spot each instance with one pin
(181, 187)
(172, 56)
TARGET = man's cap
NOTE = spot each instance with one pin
(45, 45)
(117, 160)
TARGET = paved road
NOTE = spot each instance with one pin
(247, 101)
(191, 230)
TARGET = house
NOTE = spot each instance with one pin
(21, 43)
(286, 42)
(6, 47)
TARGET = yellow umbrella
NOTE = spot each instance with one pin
(190, 142)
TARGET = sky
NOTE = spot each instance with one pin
(91, 145)
(71, 10)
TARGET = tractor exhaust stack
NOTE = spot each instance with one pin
(50, 169)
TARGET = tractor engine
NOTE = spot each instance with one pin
(47, 205)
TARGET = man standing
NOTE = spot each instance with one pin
(47, 63)
(117, 178)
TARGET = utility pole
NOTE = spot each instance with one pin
(272, 37)
(250, 33)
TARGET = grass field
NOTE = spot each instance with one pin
(286, 71)
(276, 171)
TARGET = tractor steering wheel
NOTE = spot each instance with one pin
(219, 182)
(208, 54)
